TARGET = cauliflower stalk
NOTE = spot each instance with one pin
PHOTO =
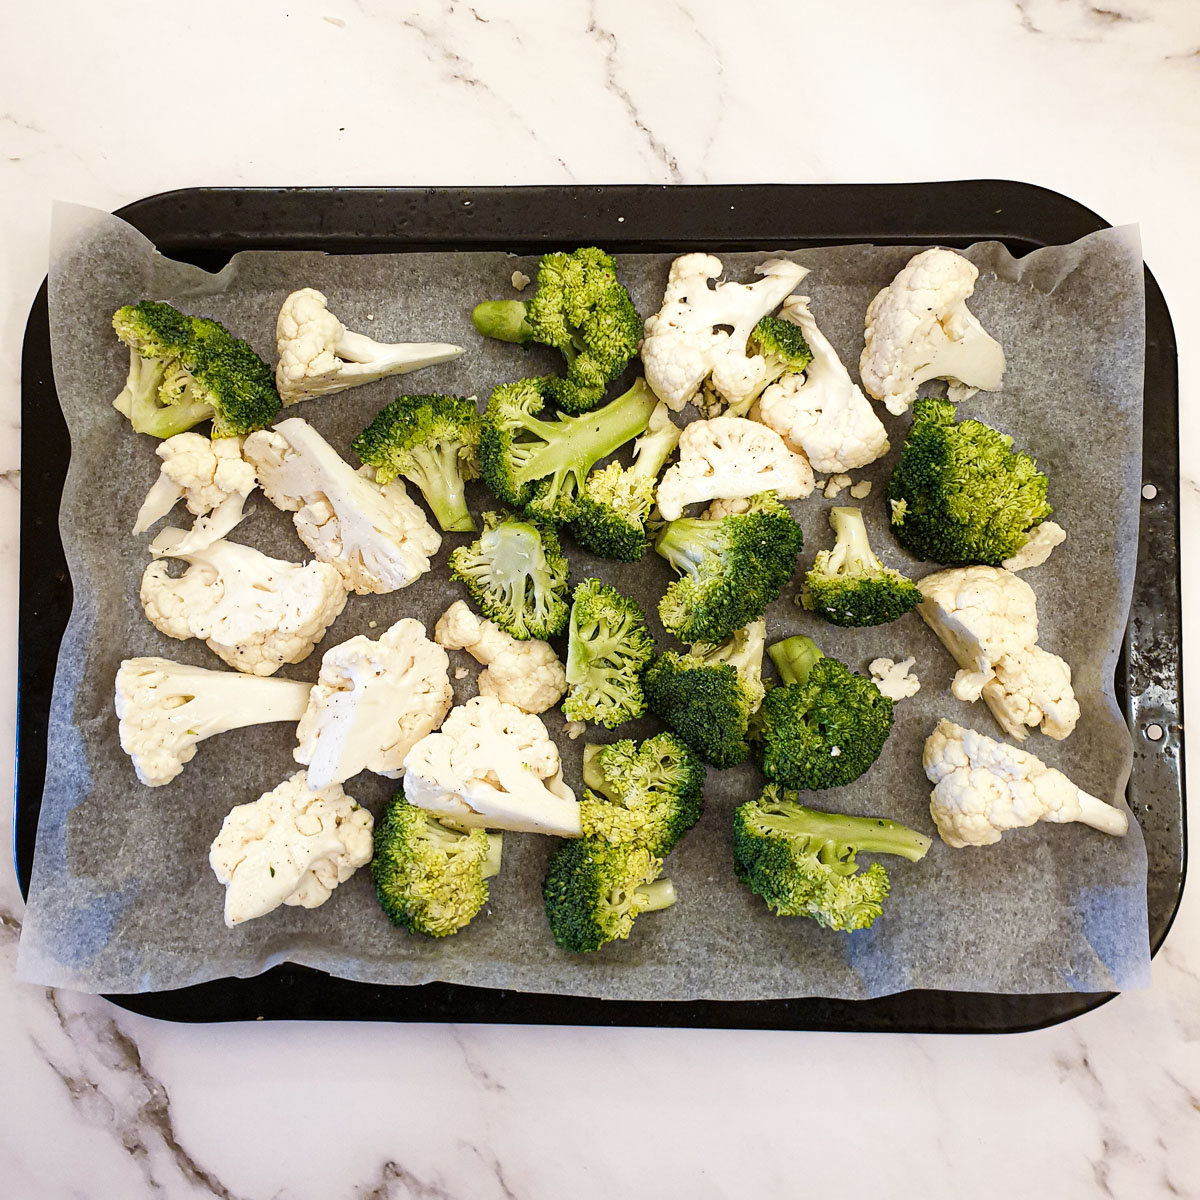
(983, 788)
(492, 766)
(318, 355)
(731, 458)
(293, 845)
(526, 674)
(372, 702)
(987, 618)
(698, 338)
(821, 413)
(919, 328)
(374, 535)
(166, 708)
(210, 476)
(254, 612)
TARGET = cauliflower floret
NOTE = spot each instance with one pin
(919, 328)
(318, 355)
(720, 509)
(375, 536)
(492, 766)
(893, 678)
(821, 413)
(730, 458)
(254, 612)
(1033, 688)
(700, 332)
(293, 845)
(527, 674)
(373, 701)
(1038, 547)
(210, 476)
(983, 787)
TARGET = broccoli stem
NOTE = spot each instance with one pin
(872, 835)
(686, 543)
(435, 470)
(657, 895)
(653, 449)
(491, 864)
(503, 320)
(853, 548)
(794, 657)
(593, 772)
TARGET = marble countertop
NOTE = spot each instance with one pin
(1101, 102)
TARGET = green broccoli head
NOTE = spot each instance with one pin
(650, 794)
(960, 494)
(595, 890)
(803, 862)
(582, 310)
(849, 586)
(540, 465)
(730, 569)
(432, 441)
(516, 573)
(782, 344)
(430, 879)
(825, 726)
(707, 704)
(607, 647)
(184, 370)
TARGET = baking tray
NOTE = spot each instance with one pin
(206, 226)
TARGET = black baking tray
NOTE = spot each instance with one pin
(206, 226)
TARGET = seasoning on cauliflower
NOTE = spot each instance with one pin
(700, 336)
(165, 708)
(527, 674)
(374, 535)
(318, 355)
(293, 845)
(983, 788)
(1039, 546)
(987, 618)
(492, 766)
(893, 679)
(210, 476)
(372, 702)
(822, 413)
(730, 458)
(919, 328)
(254, 612)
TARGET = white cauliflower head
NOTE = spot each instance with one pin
(730, 458)
(293, 845)
(821, 413)
(495, 767)
(699, 334)
(526, 674)
(210, 476)
(919, 328)
(375, 536)
(1032, 688)
(983, 788)
(372, 702)
(318, 355)
(254, 612)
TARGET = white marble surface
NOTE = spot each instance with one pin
(108, 102)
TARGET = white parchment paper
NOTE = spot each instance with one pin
(122, 897)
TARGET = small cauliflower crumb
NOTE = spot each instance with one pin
(1037, 548)
(835, 751)
(835, 485)
(575, 729)
(818, 485)
(893, 678)
(372, 624)
(461, 672)
(861, 490)
(520, 280)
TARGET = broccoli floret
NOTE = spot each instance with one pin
(825, 726)
(960, 494)
(607, 647)
(516, 573)
(184, 370)
(782, 344)
(650, 794)
(849, 586)
(803, 862)
(583, 311)
(595, 890)
(431, 879)
(540, 465)
(433, 442)
(730, 569)
(611, 511)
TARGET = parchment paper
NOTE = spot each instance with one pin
(123, 898)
